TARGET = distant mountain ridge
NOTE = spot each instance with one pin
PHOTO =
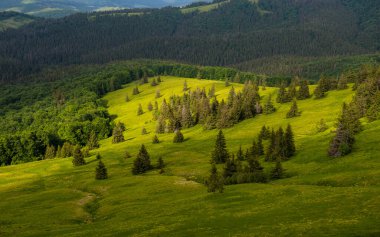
(58, 8)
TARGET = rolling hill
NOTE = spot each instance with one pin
(320, 196)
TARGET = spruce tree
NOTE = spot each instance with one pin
(237, 78)
(214, 181)
(160, 128)
(240, 155)
(150, 106)
(92, 142)
(78, 157)
(268, 106)
(140, 110)
(254, 149)
(185, 88)
(159, 80)
(98, 156)
(304, 92)
(211, 92)
(277, 172)
(342, 142)
(220, 153)
(154, 82)
(293, 112)
(321, 126)
(226, 82)
(290, 147)
(260, 147)
(135, 91)
(319, 93)
(117, 133)
(144, 131)
(127, 99)
(50, 152)
(158, 94)
(178, 137)
(101, 171)
(282, 95)
(160, 163)
(271, 148)
(155, 140)
(67, 150)
(142, 162)
(229, 167)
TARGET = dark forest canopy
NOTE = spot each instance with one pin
(233, 33)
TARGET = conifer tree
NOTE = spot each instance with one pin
(304, 92)
(277, 172)
(92, 142)
(155, 140)
(98, 156)
(158, 94)
(142, 162)
(101, 171)
(214, 181)
(140, 110)
(240, 155)
(186, 118)
(293, 112)
(264, 133)
(58, 153)
(229, 168)
(160, 128)
(154, 82)
(144, 131)
(159, 80)
(50, 152)
(321, 126)
(160, 163)
(211, 92)
(260, 147)
(290, 147)
(135, 91)
(117, 133)
(254, 149)
(150, 106)
(127, 99)
(271, 148)
(78, 157)
(237, 78)
(342, 142)
(67, 150)
(220, 153)
(319, 93)
(254, 165)
(185, 88)
(282, 96)
(226, 82)
(292, 91)
(178, 137)
(268, 106)
(280, 145)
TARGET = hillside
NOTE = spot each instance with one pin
(236, 32)
(60, 8)
(14, 20)
(320, 196)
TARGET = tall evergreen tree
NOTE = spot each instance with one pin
(185, 88)
(142, 162)
(282, 95)
(240, 155)
(127, 99)
(140, 110)
(155, 140)
(150, 106)
(92, 142)
(50, 152)
(178, 137)
(117, 133)
(160, 163)
(135, 91)
(268, 106)
(319, 93)
(293, 112)
(260, 147)
(161, 124)
(277, 172)
(304, 92)
(101, 171)
(220, 153)
(78, 157)
(214, 181)
(290, 147)
(158, 94)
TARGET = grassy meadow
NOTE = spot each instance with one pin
(320, 196)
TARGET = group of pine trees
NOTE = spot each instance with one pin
(142, 163)
(291, 93)
(327, 84)
(198, 107)
(246, 168)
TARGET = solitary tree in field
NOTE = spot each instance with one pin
(78, 157)
(135, 91)
(154, 82)
(142, 162)
(127, 99)
(293, 112)
(144, 131)
(150, 106)
(185, 88)
(215, 181)
(158, 94)
(220, 153)
(155, 140)
(140, 110)
(101, 171)
(178, 137)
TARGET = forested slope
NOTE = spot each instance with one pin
(234, 32)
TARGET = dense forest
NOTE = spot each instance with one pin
(233, 33)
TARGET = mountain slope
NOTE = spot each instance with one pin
(319, 197)
(233, 33)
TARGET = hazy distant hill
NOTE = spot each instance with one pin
(56, 8)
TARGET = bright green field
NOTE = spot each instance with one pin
(320, 197)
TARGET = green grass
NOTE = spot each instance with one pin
(320, 197)
(14, 22)
(204, 8)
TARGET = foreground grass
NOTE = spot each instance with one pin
(320, 197)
